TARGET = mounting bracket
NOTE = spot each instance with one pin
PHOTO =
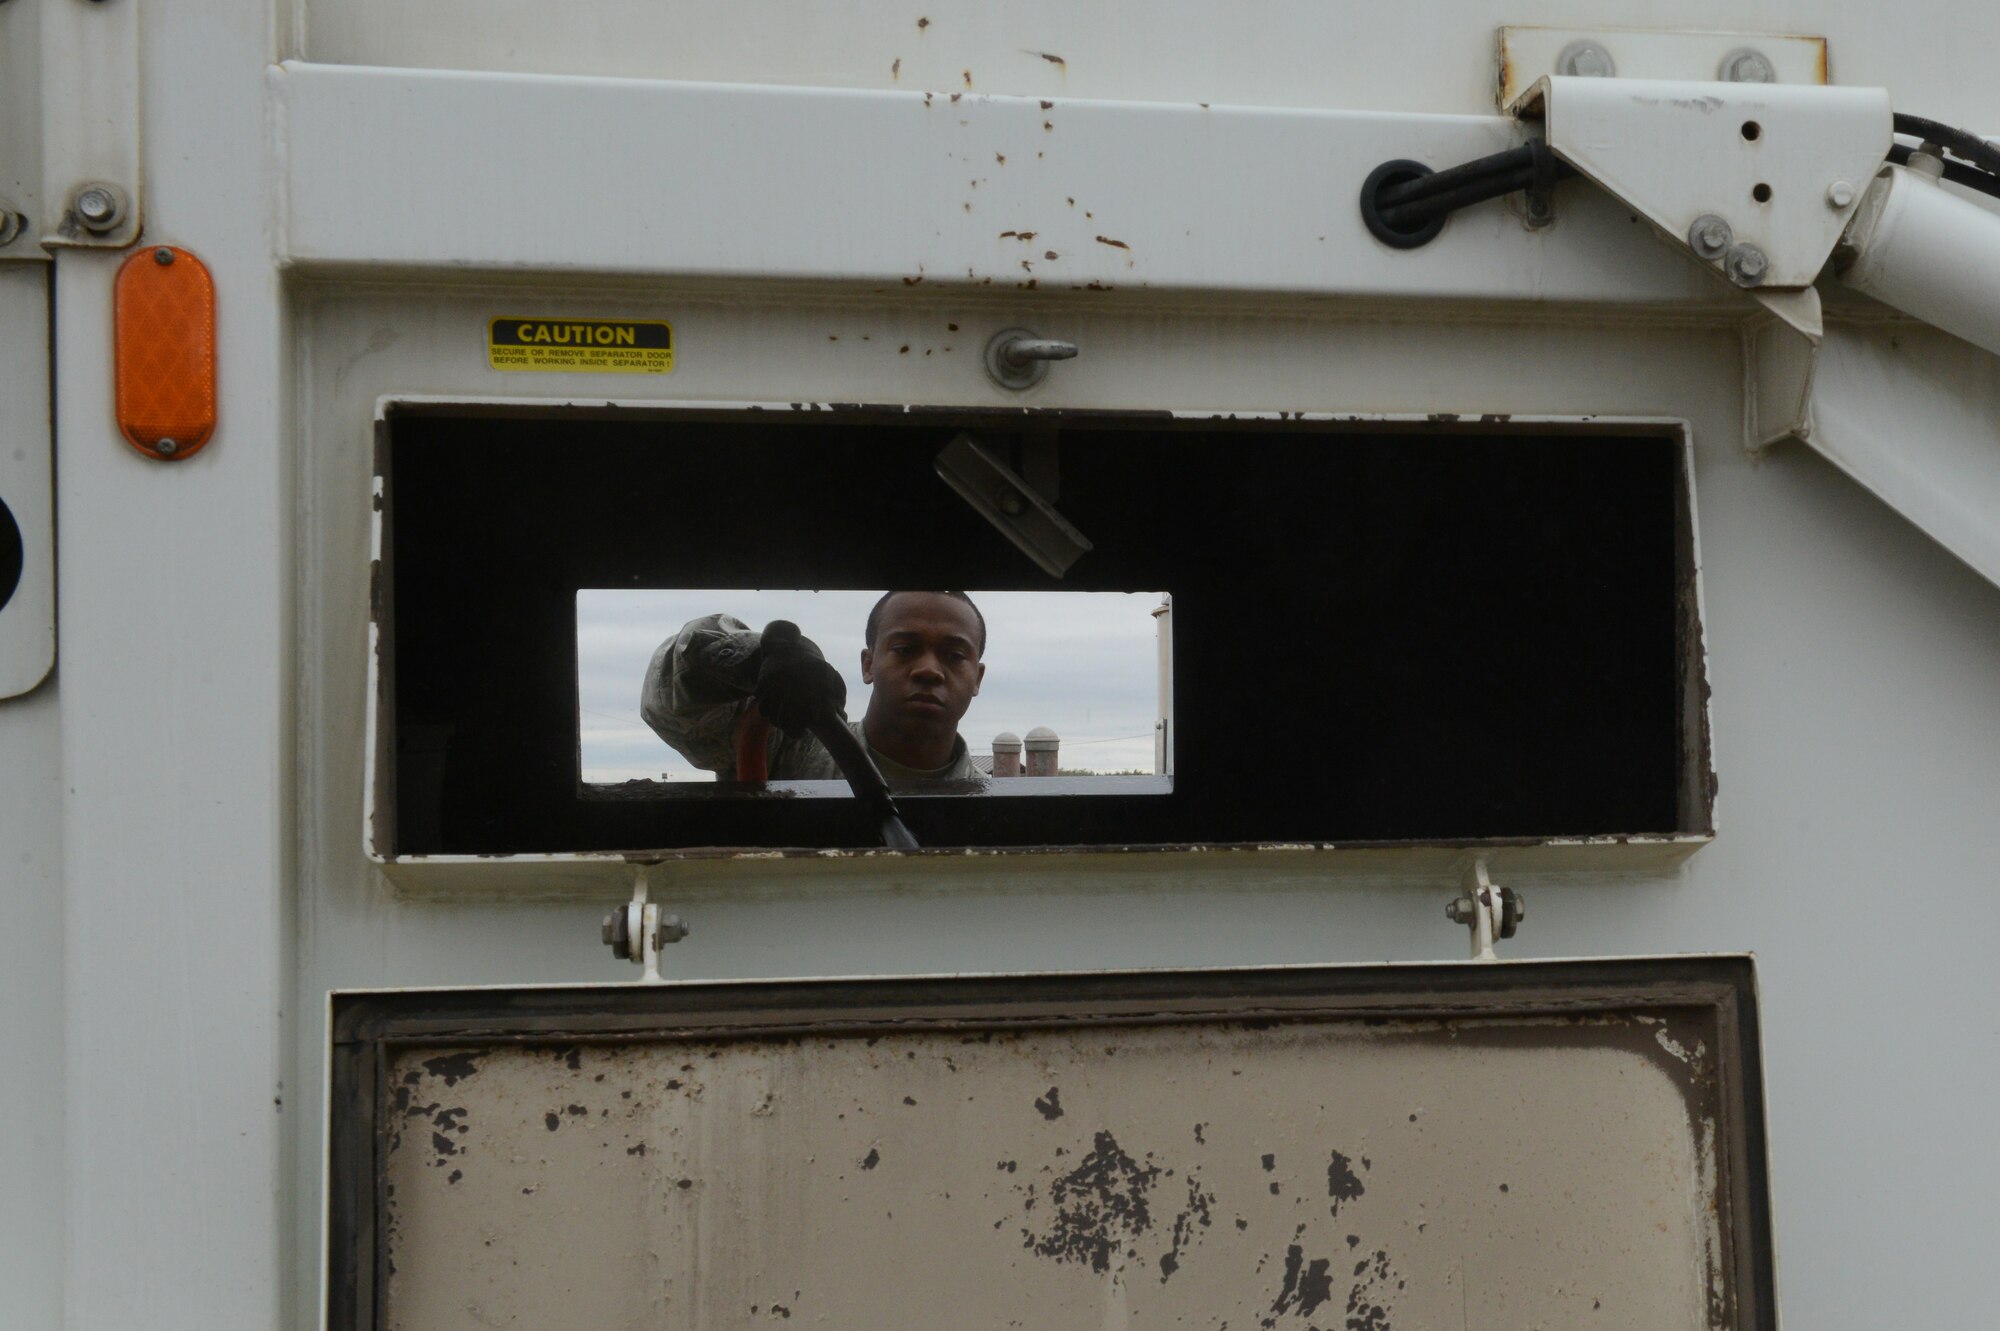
(1755, 180)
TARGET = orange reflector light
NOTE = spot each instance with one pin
(165, 337)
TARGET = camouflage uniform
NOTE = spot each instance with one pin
(697, 686)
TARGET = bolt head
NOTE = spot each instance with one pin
(1012, 504)
(98, 207)
(166, 448)
(672, 929)
(1710, 236)
(1586, 60)
(163, 256)
(1745, 265)
(1746, 65)
(1840, 193)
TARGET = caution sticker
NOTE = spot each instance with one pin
(596, 346)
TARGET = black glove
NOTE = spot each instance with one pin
(795, 685)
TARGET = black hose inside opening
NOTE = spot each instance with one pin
(1402, 234)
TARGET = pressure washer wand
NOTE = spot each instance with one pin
(851, 756)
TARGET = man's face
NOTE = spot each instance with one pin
(925, 664)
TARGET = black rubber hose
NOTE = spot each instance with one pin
(1478, 190)
(1967, 145)
(1956, 172)
(1437, 182)
(1404, 204)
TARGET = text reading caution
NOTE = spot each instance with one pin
(597, 346)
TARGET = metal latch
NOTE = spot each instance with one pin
(638, 931)
(1490, 912)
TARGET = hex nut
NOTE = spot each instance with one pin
(1710, 236)
(1745, 265)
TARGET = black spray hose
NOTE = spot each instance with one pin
(1961, 142)
(851, 756)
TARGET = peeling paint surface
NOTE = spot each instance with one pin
(1327, 1174)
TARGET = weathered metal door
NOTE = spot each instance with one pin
(1570, 1144)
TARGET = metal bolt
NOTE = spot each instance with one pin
(1585, 60)
(166, 448)
(1459, 910)
(1745, 265)
(99, 208)
(163, 255)
(672, 929)
(1747, 65)
(1011, 503)
(1840, 193)
(610, 931)
(1710, 236)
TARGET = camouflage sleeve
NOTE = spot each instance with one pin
(695, 689)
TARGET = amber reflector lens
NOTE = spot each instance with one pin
(165, 321)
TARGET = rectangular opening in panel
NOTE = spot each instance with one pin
(1422, 633)
(953, 691)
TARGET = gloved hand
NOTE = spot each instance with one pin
(795, 685)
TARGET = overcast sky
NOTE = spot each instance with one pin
(1084, 664)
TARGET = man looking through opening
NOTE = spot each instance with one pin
(921, 659)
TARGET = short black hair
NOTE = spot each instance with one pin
(875, 617)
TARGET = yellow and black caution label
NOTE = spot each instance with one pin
(594, 346)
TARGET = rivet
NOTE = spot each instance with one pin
(1840, 193)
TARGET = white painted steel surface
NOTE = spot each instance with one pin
(1855, 718)
(1531, 53)
(21, 128)
(1913, 414)
(198, 761)
(899, 189)
(92, 116)
(176, 689)
(1762, 157)
(27, 478)
(33, 1201)
(1931, 253)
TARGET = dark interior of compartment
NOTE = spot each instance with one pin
(1413, 635)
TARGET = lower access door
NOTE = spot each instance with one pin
(1545, 1144)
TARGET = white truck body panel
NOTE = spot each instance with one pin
(181, 832)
